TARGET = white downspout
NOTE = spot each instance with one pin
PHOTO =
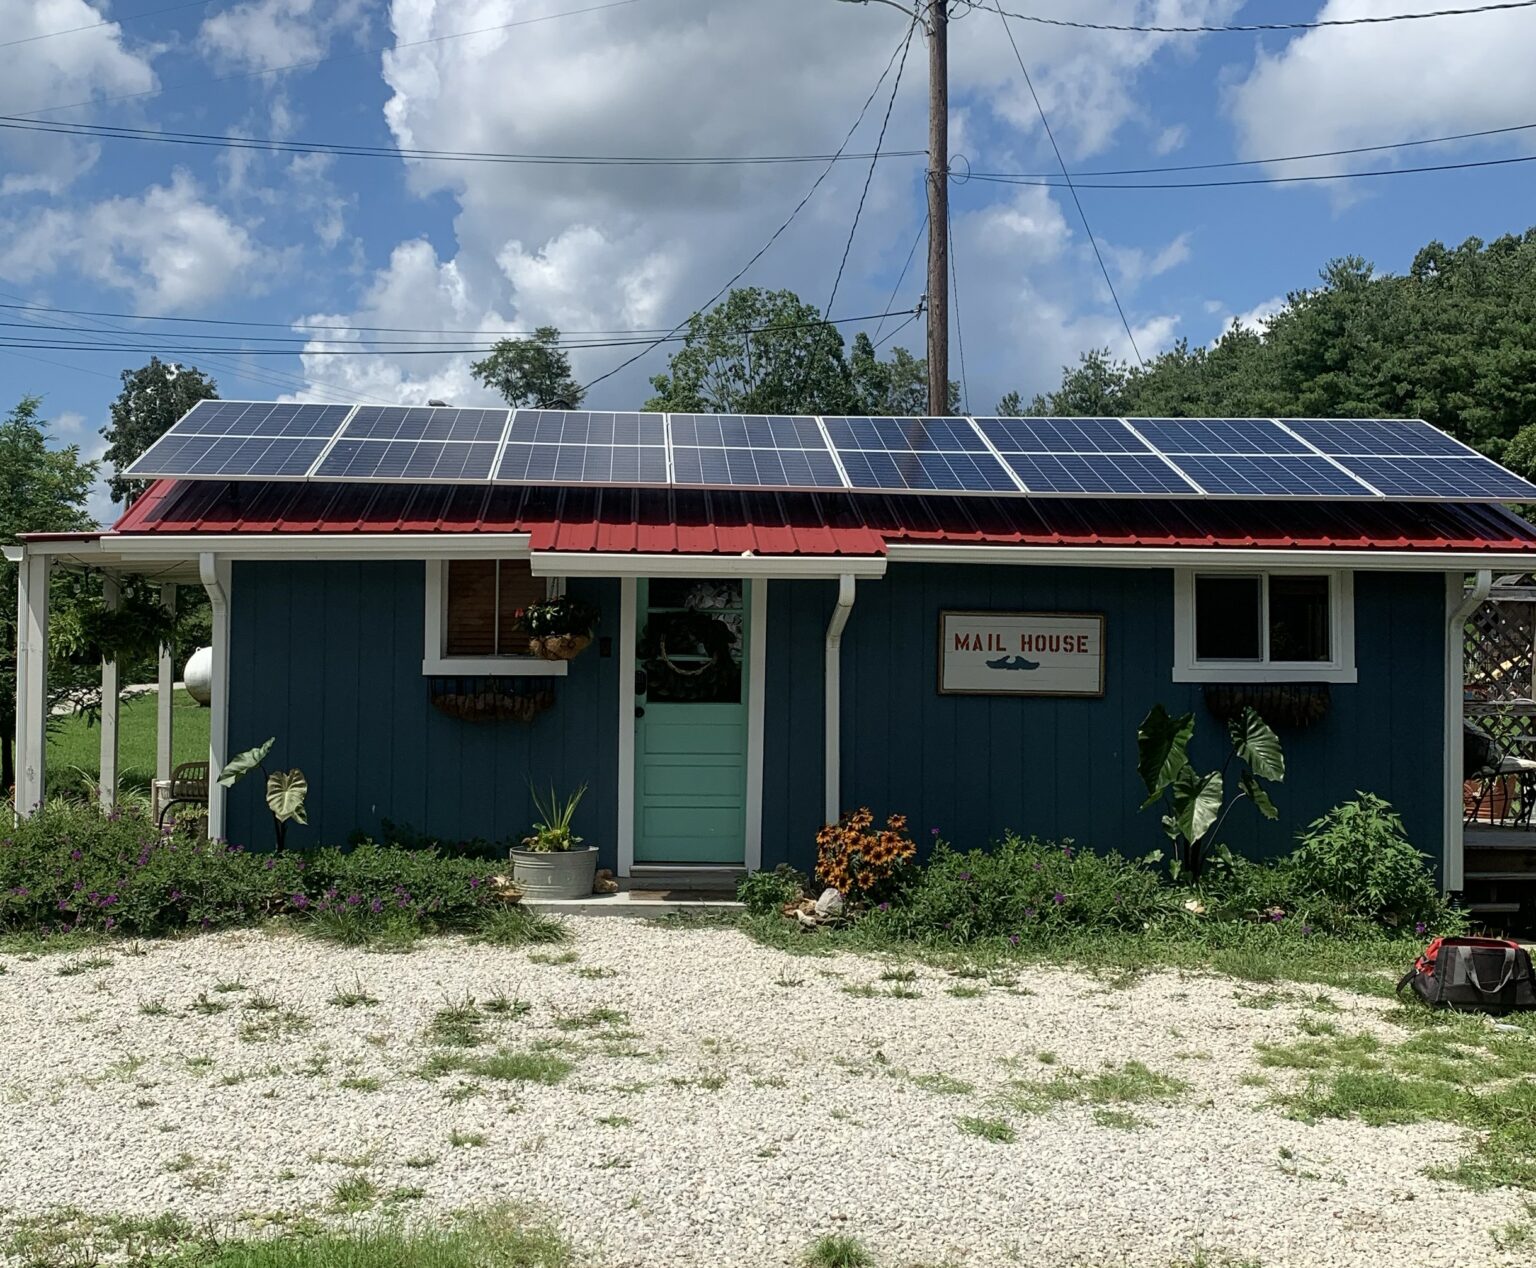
(1460, 603)
(834, 682)
(214, 573)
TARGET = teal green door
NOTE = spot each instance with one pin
(691, 722)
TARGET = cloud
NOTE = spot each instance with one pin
(1136, 264)
(263, 34)
(168, 248)
(617, 247)
(57, 72)
(1341, 87)
(1170, 139)
(1256, 318)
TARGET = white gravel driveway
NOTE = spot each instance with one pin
(726, 1104)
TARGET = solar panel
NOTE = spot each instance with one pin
(1269, 475)
(430, 461)
(1318, 458)
(916, 455)
(242, 440)
(1061, 435)
(394, 422)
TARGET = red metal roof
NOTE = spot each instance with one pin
(659, 521)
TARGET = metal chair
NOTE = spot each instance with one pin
(189, 786)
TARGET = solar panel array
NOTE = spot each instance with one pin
(1321, 459)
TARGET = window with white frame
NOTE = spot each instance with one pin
(1264, 626)
(472, 617)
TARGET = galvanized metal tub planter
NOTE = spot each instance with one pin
(554, 873)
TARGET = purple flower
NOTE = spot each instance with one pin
(270, 864)
(1029, 913)
(933, 831)
(1421, 928)
(76, 855)
(62, 905)
(175, 895)
(1306, 931)
(1013, 939)
(1037, 865)
(353, 900)
(1067, 851)
(965, 876)
(110, 923)
(475, 882)
(300, 901)
(21, 891)
(1058, 898)
(376, 906)
(884, 907)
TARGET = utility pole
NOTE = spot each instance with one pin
(938, 207)
(936, 27)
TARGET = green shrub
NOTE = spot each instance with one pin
(766, 893)
(70, 868)
(1023, 889)
(1358, 856)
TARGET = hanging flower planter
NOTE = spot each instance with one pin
(559, 628)
(1296, 705)
(491, 699)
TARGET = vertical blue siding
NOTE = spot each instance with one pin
(327, 658)
(975, 766)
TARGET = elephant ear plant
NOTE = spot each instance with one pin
(1195, 804)
(286, 789)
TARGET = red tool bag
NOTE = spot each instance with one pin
(1487, 974)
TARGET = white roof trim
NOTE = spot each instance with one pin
(554, 563)
(1210, 558)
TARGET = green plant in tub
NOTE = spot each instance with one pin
(552, 831)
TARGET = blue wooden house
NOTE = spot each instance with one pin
(959, 619)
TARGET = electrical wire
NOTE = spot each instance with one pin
(1261, 180)
(775, 235)
(921, 228)
(342, 149)
(1251, 27)
(333, 57)
(96, 26)
(1265, 162)
(896, 330)
(1078, 202)
(870, 175)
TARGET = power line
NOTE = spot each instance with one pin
(774, 236)
(96, 26)
(902, 277)
(1078, 202)
(870, 175)
(1264, 162)
(1260, 180)
(333, 57)
(1251, 27)
(343, 149)
(896, 330)
(58, 343)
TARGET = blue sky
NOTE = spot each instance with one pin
(168, 230)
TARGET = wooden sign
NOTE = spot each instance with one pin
(1021, 653)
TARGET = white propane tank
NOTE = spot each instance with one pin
(198, 676)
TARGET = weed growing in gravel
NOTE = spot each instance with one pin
(206, 1007)
(1130, 1083)
(837, 1251)
(616, 1120)
(501, 1004)
(944, 1084)
(595, 972)
(461, 1092)
(224, 988)
(274, 1025)
(68, 1235)
(197, 1174)
(196, 1064)
(591, 1019)
(354, 996)
(526, 1067)
(993, 1129)
(354, 1195)
(1122, 1120)
(154, 1008)
(316, 1065)
(553, 957)
(1517, 1234)
(362, 1083)
(463, 1140)
(961, 990)
(261, 1003)
(86, 964)
(901, 990)
(419, 1162)
(518, 927)
(898, 975)
(861, 990)
(457, 1025)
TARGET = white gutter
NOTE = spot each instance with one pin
(554, 563)
(215, 574)
(1211, 558)
(1460, 603)
(132, 546)
(832, 784)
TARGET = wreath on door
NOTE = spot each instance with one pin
(686, 634)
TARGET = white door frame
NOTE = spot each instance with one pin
(756, 594)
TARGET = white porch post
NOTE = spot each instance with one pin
(31, 681)
(111, 695)
(166, 686)
(215, 573)
(628, 597)
(832, 780)
(1459, 605)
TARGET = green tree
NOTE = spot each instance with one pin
(759, 352)
(898, 387)
(42, 490)
(531, 372)
(152, 398)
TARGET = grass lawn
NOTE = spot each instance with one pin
(71, 743)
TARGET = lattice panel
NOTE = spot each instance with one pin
(1499, 651)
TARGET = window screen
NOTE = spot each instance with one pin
(484, 596)
(1299, 619)
(1227, 618)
